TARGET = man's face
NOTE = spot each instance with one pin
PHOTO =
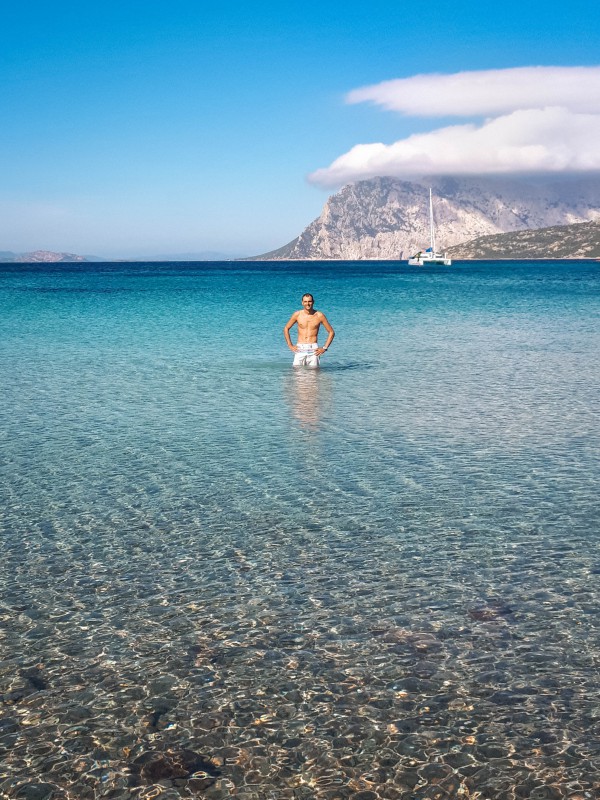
(308, 303)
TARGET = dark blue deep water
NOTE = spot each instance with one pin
(221, 577)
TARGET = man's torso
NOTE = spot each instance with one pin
(308, 326)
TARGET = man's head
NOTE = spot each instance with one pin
(308, 302)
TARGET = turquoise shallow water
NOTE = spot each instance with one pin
(225, 578)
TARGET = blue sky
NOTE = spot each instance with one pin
(145, 128)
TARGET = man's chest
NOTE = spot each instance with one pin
(308, 322)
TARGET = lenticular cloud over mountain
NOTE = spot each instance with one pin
(538, 120)
(487, 91)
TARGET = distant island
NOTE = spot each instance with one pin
(50, 257)
(41, 257)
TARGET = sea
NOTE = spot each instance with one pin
(224, 577)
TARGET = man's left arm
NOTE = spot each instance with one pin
(330, 332)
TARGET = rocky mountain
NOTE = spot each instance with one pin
(581, 240)
(387, 218)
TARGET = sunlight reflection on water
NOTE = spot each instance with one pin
(221, 575)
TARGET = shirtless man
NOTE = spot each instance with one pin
(307, 351)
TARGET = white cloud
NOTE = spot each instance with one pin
(494, 91)
(540, 120)
(537, 140)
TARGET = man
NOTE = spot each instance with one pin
(307, 351)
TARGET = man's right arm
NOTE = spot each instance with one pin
(286, 331)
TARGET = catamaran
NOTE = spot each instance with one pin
(426, 257)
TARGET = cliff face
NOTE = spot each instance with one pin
(386, 218)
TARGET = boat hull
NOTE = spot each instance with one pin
(426, 262)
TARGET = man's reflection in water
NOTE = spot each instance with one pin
(309, 394)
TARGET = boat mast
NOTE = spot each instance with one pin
(431, 227)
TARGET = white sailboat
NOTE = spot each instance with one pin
(426, 257)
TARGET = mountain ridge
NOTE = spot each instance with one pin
(388, 219)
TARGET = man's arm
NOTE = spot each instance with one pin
(286, 331)
(330, 331)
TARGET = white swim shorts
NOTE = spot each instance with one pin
(305, 356)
